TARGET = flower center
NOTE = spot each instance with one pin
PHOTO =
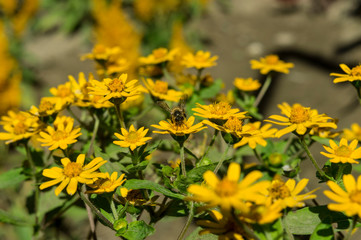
(20, 128)
(299, 114)
(233, 124)
(272, 59)
(226, 188)
(116, 85)
(45, 106)
(220, 108)
(200, 57)
(356, 71)
(161, 87)
(63, 91)
(73, 169)
(343, 151)
(355, 196)
(59, 135)
(133, 137)
(99, 49)
(279, 190)
(160, 52)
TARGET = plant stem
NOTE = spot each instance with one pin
(119, 115)
(257, 156)
(188, 223)
(183, 162)
(263, 90)
(198, 80)
(209, 147)
(95, 131)
(114, 210)
(83, 124)
(352, 226)
(222, 159)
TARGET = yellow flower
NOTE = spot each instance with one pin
(229, 192)
(344, 153)
(102, 53)
(222, 225)
(253, 134)
(218, 111)
(132, 139)
(107, 183)
(299, 119)
(199, 60)
(233, 125)
(159, 89)
(168, 127)
(18, 126)
(229, 97)
(260, 214)
(246, 84)
(287, 193)
(47, 107)
(351, 74)
(353, 133)
(157, 56)
(63, 120)
(116, 88)
(63, 95)
(174, 163)
(61, 136)
(271, 63)
(72, 173)
(348, 201)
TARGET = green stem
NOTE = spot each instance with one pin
(200, 163)
(198, 80)
(119, 115)
(188, 223)
(183, 163)
(83, 124)
(263, 90)
(95, 131)
(352, 226)
(257, 156)
(340, 171)
(222, 159)
(114, 210)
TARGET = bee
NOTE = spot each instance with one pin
(178, 114)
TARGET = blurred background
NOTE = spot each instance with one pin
(41, 42)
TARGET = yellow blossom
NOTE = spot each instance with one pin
(159, 90)
(343, 153)
(132, 139)
(63, 95)
(253, 134)
(72, 173)
(174, 163)
(348, 200)
(229, 192)
(107, 183)
(299, 119)
(168, 127)
(102, 53)
(260, 213)
(63, 120)
(233, 125)
(199, 60)
(271, 63)
(353, 133)
(246, 84)
(47, 107)
(350, 74)
(157, 56)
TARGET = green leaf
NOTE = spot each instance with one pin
(212, 90)
(145, 184)
(269, 231)
(139, 167)
(323, 231)
(324, 141)
(5, 217)
(12, 178)
(136, 230)
(195, 236)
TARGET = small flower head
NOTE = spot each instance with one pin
(132, 139)
(233, 125)
(347, 201)
(116, 88)
(168, 127)
(158, 56)
(246, 84)
(159, 90)
(101, 53)
(271, 63)
(350, 75)
(106, 183)
(353, 133)
(199, 60)
(72, 173)
(47, 107)
(59, 137)
(63, 95)
(253, 134)
(229, 192)
(299, 119)
(343, 153)
(260, 213)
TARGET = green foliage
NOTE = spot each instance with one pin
(12, 178)
(136, 230)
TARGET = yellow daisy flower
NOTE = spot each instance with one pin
(353, 133)
(107, 183)
(157, 56)
(101, 53)
(47, 107)
(344, 153)
(229, 192)
(271, 63)
(62, 136)
(229, 97)
(233, 125)
(287, 193)
(199, 60)
(222, 225)
(351, 74)
(72, 173)
(116, 88)
(18, 126)
(246, 84)
(260, 214)
(159, 90)
(63, 95)
(346, 201)
(168, 127)
(253, 134)
(218, 111)
(299, 119)
(132, 139)
(174, 163)
(63, 120)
